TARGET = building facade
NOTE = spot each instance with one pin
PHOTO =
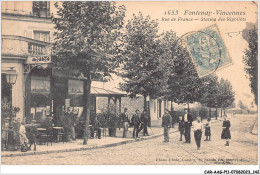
(25, 42)
(41, 90)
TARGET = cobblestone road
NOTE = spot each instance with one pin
(242, 150)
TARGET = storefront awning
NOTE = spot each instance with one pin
(104, 92)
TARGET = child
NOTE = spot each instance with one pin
(181, 127)
(207, 130)
(4, 136)
(198, 132)
(226, 132)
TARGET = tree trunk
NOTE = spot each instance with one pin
(209, 112)
(86, 96)
(145, 104)
(216, 113)
(171, 105)
(188, 107)
(221, 112)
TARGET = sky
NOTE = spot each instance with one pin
(207, 13)
(230, 31)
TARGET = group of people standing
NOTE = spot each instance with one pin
(185, 124)
(24, 137)
(138, 121)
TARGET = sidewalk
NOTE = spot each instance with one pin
(92, 143)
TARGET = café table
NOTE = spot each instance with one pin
(58, 132)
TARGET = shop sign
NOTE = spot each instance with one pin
(38, 60)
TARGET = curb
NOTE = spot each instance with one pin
(88, 148)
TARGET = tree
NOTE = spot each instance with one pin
(143, 70)
(242, 105)
(210, 92)
(184, 83)
(87, 42)
(250, 60)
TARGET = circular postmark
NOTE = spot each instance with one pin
(207, 50)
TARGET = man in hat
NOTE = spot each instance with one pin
(166, 124)
(124, 120)
(96, 126)
(145, 119)
(70, 117)
(135, 122)
(187, 119)
(32, 134)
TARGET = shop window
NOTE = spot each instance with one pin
(75, 92)
(75, 87)
(41, 8)
(40, 98)
(40, 84)
(42, 36)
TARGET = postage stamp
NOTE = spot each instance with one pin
(208, 50)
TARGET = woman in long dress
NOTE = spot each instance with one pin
(226, 132)
(208, 130)
(23, 138)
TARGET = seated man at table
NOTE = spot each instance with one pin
(96, 126)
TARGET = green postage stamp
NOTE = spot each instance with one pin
(208, 50)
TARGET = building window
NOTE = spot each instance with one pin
(40, 98)
(42, 36)
(40, 84)
(41, 8)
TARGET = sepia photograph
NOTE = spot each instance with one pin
(129, 83)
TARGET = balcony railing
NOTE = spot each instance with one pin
(23, 46)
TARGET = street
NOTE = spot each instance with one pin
(242, 150)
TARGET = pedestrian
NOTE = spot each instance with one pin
(181, 127)
(145, 119)
(17, 124)
(23, 138)
(32, 135)
(226, 132)
(207, 130)
(172, 113)
(4, 134)
(96, 126)
(112, 123)
(166, 124)
(198, 132)
(187, 118)
(70, 117)
(135, 122)
(124, 120)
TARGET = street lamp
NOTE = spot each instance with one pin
(11, 76)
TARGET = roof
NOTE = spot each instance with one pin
(105, 92)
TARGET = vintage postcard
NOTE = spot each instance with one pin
(130, 83)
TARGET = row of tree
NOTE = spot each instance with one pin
(91, 40)
(157, 65)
